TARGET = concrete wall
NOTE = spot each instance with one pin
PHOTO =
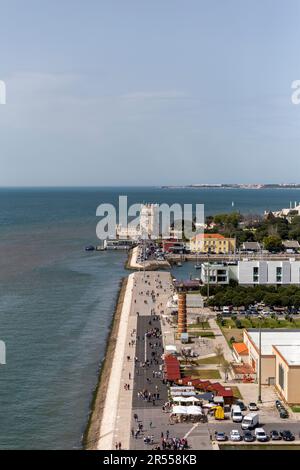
(267, 362)
(290, 391)
(295, 272)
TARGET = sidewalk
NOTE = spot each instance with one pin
(220, 340)
(116, 396)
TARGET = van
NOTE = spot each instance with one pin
(226, 310)
(250, 421)
(236, 414)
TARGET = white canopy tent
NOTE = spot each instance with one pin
(171, 349)
(182, 399)
(186, 410)
(194, 410)
(191, 399)
(179, 410)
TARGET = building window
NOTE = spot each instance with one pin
(255, 274)
(278, 274)
(281, 376)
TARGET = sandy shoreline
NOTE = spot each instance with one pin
(92, 432)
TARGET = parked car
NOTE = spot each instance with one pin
(236, 414)
(241, 405)
(278, 404)
(235, 435)
(253, 406)
(283, 413)
(275, 435)
(287, 435)
(248, 436)
(261, 435)
(221, 436)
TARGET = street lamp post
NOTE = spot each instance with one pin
(145, 340)
(259, 364)
(208, 278)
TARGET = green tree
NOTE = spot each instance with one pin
(272, 243)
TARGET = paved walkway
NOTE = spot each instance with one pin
(116, 413)
(220, 340)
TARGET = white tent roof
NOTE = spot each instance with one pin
(191, 399)
(179, 399)
(185, 399)
(186, 410)
(194, 410)
(171, 347)
(179, 410)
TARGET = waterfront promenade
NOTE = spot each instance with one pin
(143, 334)
(115, 394)
(145, 297)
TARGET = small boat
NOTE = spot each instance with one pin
(179, 264)
(89, 248)
(197, 266)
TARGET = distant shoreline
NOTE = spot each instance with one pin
(234, 186)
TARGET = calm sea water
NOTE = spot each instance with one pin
(57, 301)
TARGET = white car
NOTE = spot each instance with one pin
(235, 435)
(253, 406)
(260, 435)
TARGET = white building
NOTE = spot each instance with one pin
(292, 210)
(216, 273)
(252, 272)
(149, 221)
(147, 227)
(268, 272)
(129, 232)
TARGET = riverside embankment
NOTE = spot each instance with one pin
(92, 432)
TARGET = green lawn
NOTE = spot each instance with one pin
(236, 333)
(295, 409)
(203, 334)
(202, 373)
(198, 326)
(265, 323)
(209, 360)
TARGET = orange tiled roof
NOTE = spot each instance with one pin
(210, 235)
(240, 348)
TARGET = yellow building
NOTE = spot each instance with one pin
(212, 243)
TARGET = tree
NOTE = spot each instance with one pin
(219, 318)
(203, 321)
(225, 368)
(218, 350)
(272, 243)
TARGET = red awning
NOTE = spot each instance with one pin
(172, 368)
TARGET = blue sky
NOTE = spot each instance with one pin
(134, 92)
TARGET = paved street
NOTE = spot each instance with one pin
(155, 422)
